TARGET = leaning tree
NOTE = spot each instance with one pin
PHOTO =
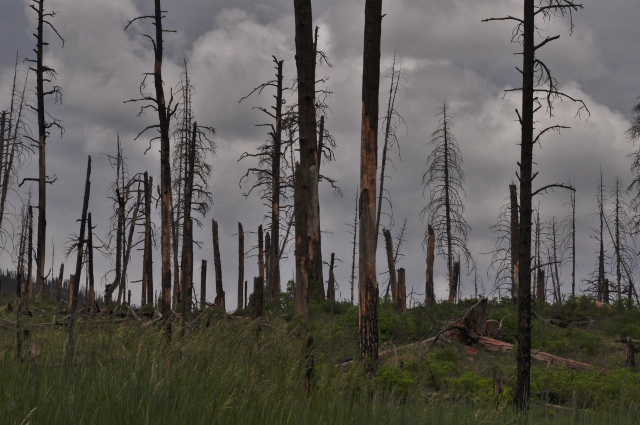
(539, 91)
(444, 181)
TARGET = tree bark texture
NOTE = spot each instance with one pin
(430, 296)
(255, 300)
(267, 264)
(515, 232)
(393, 281)
(219, 300)
(274, 255)
(72, 281)
(540, 290)
(353, 254)
(147, 273)
(29, 288)
(241, 302)
(402, 290)
(368, 287)
(60, 278)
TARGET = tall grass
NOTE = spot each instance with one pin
(229, 372)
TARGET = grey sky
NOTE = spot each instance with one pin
(447, 55)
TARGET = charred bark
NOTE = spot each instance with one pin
(203, 284)
(393, 281)
(331, 284)
(220, 299)
(430, 296)
(241, 302)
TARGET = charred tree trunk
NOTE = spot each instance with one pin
(60, 278)
(617, 242)
(260, 255)
(29, 288)
(146, 256)
(430, 296)
(393, 282)
(267, 263)
(308, 257)
(353, 254)
(573, 244)
(603, 287)
(186, 266)
(203, 284)
(368, 287)
(92, 292)
(255, 300)
(331, 284)
(515, 230)
(76, 286)
(402, 290)
(72, 285)
(274, 257)
(556, 269)
(127, 252)
(241, 267)
(219, 300)
(186, 271)
(456, 276)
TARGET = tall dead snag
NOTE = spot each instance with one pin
(393, 281)
(331, 283)
(147, 264)
(402, 290)
(603, 285)
(308, 257)
(92, 292)
(129, 245)
(515, 230)
(29, 288)
(74, 293)
(256, 298)
(203, 284)
(392, 121)
(569, 230)
(267, 274)
(444, 180)
(72, 284)
(219, 300)
(367, 283)
(60, 278)
(186, 265)
(241, 302)
(538, 87)
(165, 113)
(430, 296)
(354, 229)
(260, 254)
(44, 74)
(540, 289)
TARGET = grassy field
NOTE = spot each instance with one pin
(231, 370)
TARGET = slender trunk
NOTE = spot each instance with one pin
(255, 300)
(245, 294)
(241, 304)
(220, 299)
(145, 255)
(203, 284)
(267, 263)
(455, 276)
(127, 252)
(618, 271)
(165, 172)
(29, 288)
(148, 264)
(274, 257)
(523, 381)
(537, 249)
(393, 282)
(402, 290)
(186, 271)
(367, 283)
(447, 209)
(555, 261)
(260, 254)
(60, 278)
(430, 296)
(92, 292)
(573, 244)
(301, 247)
(353, 254)
(540, 283)
(72, 284)
(186, 267)
(331, 284)
(603, 287)
(42, 140)
(74, 293)
(515, 230)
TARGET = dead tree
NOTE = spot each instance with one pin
(402, 290)
(256, 298)
(74, 293)
(307, 253)
(147, 257)
(92, 292)
(354, 231)
(392, 121)
(29, 289)
(430, 296)
(331, 283)
(59, 287)
(13, 146)
(219, 300)
(44, 74)
(128, 247)
(203, 284)
(260, 254)
(267, 261)
(514, 233)
(241, 302)
(569, 242)
(538, 87)
(165, 113)
(444, 181)
(367, 280)
(393, 280)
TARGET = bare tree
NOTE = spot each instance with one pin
(569, 242)
(354, 232)
(444, 181)
(240, 266)
(165, 113)
(367, 280)
(44, 74)
(538, 88)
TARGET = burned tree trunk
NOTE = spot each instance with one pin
(367, 283)
(274, 255)
(186, 271)
(430, 296)
(515, 231)
(540, 290)
(92, 292)
(603, 286)
(241, 302)
(331, 284)
(455, 278)
(29, 289)
(267, 263)
(147, 272)
(353, 254)
(255, 300)
(219, 300)
(60, 278)
(74, 293)
(127, 251)
(72, 285)
(402, 290)
(203, 284)
(393, 282)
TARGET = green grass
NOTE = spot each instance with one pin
(238, 371)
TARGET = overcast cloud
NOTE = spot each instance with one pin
(447, 54)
